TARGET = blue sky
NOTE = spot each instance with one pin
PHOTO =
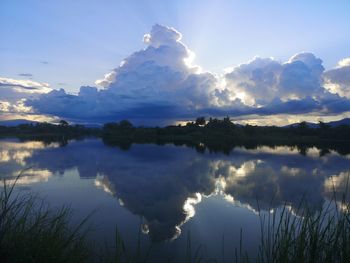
(68, 44)
(82, 40)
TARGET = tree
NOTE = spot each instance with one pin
(303, 128)
(323, 126)
(302, 125)
(200, 121)
(125, 124)
(227, 119)
(63, 123)
(189, 124)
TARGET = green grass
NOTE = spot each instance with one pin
(31, 232)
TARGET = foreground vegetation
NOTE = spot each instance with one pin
(309, 237)
(31, 232)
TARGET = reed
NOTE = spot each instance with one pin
(31, 232)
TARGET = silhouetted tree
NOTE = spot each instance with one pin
(125, 124)
(227, 119)
(189, 124)
(63, 123)
(302, 128)
(323, 126)
(200, 121)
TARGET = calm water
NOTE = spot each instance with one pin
(171, 191)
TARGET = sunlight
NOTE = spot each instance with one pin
(189, 60)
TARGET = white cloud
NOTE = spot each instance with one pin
(337, 80)
(25, 86)
(149, 83)
(14, 93)
(263, 80)
(255, 82)
(108, 79)
(344, 62)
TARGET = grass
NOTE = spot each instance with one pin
(31, 232)
(323, 236)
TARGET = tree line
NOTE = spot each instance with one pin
(214, 134)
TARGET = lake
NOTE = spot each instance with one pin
(169, 193)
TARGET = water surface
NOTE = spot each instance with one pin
(170, 191)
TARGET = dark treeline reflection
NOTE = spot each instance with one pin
(223, 135)
(162, 184)
(226, 147)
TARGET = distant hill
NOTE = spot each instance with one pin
(345, 121)
(15, 122)
(309, 124)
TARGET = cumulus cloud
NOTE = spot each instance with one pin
(254, 82)
(263, 80)
(160, 82)
(108, 79)
(155, 83)
(337, 80)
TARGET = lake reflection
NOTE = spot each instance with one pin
(164, 185)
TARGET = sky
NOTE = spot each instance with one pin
(250, 60)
